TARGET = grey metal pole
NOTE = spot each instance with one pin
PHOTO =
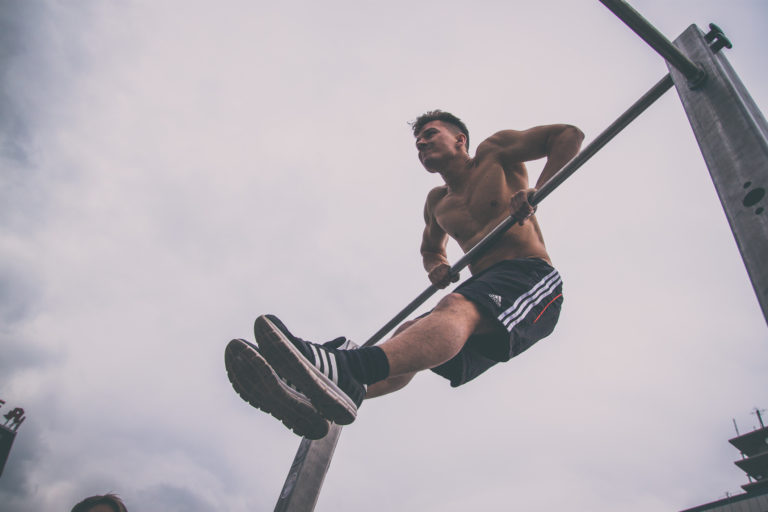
(663, 46)
(733, 137)
(305, 478)
(302, 486)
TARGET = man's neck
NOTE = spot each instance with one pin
(455, 172)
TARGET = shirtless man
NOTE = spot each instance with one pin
(512, 300)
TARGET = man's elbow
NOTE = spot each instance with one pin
(566, 140)
(572, 134)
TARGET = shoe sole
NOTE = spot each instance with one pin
(257, 383)
(291, 364)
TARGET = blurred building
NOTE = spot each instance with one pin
(754, 462)
(8, 429)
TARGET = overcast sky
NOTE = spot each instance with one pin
(172, 169)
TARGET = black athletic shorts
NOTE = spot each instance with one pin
(525, 296)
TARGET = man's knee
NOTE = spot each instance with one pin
(451, 303)
(456, 303)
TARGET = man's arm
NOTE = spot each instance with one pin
(433, 244)
(562, 144)
(557, 142)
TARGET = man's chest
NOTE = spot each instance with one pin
(482, 198)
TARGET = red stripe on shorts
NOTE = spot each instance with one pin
(545, 307)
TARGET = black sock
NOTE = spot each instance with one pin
(367, 364)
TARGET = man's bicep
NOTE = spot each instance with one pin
(522, 146)
(434, 239)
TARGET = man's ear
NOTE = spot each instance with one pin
(461, 140)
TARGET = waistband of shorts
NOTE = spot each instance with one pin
(516, 261)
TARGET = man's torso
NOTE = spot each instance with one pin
(469, 212)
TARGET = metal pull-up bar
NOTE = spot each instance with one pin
(555, 181)
(695, 75)
(663, 46)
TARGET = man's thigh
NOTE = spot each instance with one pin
(459, 308)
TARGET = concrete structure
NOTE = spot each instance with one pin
(13, 419)
(754, 462)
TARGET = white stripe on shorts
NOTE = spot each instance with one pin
(523, 305)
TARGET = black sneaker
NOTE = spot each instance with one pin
(314, 369)
(258, 384)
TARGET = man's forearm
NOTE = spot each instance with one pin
(433, 259)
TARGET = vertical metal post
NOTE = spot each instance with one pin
(305, 478)
(733, 137)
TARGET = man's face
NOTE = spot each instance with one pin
(437, 142)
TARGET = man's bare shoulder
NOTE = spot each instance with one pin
(498, 142)
(516, 146)
(433, 197)
(436, 194)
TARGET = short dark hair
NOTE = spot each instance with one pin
(440, 115)
(108, 499)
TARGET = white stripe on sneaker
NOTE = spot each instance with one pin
(318, 361)
(325, 362)
(334, 370)
(523, 305)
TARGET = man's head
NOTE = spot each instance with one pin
(441, 140)
(105, 503)
(446, 117)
